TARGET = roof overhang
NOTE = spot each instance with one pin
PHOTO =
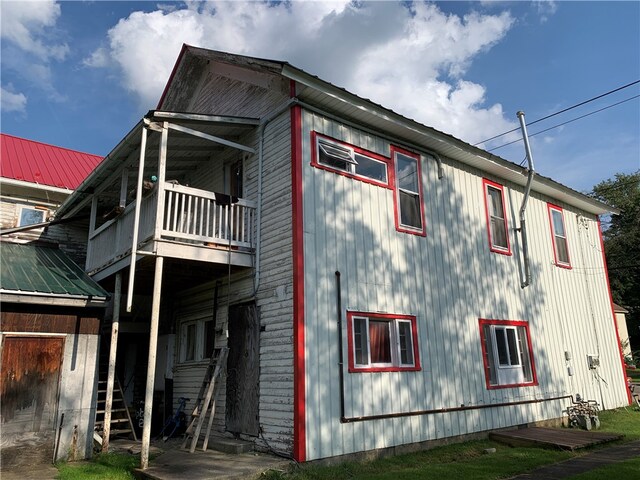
(197, 127)
(336, 99)
(35, 298)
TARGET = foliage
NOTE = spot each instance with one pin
(109, 466)
(622, 245)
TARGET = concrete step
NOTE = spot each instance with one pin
(229, 445)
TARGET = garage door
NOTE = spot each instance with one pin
(29, 380)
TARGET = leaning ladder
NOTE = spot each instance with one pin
(206, 401)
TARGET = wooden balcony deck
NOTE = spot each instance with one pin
(193, 225)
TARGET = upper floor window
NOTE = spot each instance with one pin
(382, 342)
(497, 227)
(408, 185)
(507, 353)
(350, 160)
(31, 216)
(559, 236)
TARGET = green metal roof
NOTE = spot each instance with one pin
(44, 271)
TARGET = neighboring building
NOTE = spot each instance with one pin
(623, 332)
(51, 310)
(35, 178)
(364, 269)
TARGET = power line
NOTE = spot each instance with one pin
(564, 123)
(562, 111)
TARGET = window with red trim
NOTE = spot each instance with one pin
(349, 160)
(559, 236)
(507, 354)
(382, 342)
(409, 207)
(497, 226)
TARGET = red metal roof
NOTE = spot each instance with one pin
(35, 162)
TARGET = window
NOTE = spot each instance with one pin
(197, 340)
(352, 161)
(507, 354)
(382, 342)
(188, 342)
(409, 207)
(31, 216)
(496, 217)
(559, 236)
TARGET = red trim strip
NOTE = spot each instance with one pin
(485, 188)
(550, 207)
(386, 316)
(613, 313)
(508, 323)
(173, 72)
(396, 209)
(299, 417)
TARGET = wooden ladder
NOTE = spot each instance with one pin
(206, 402)
(121, 423)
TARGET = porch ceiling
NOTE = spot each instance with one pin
(185, 153)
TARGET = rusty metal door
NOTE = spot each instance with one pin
(243, 370)
(29, 379)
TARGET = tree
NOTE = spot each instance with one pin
(622, 245)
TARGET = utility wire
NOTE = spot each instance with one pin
(562, 111)
(564, 123)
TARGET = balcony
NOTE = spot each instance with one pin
(194, 225)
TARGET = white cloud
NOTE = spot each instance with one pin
(26, 24)
(99, 58)
(545, 8)
(12, 102)
(408, 58)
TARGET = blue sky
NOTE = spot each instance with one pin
(81, 74)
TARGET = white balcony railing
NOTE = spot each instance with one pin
(191, 216)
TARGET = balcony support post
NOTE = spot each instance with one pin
(160, 186)
(136, 219)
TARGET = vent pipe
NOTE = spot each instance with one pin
(523, 207)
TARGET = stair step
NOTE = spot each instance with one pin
(113, 410)
(230, 445)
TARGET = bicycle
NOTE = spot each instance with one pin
(177, 420)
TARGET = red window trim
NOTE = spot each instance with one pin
(485, 187)
(507, 323)
(396, 193)
(384, 316)
(375, 156)
(550, 207)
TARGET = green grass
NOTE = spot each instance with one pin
(466, 460)
(634, 374)
(109, 466)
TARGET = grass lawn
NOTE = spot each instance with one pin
(462, 461)
(109, 466)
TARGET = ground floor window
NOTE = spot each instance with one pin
(507, 353)
(197, 339)
(382, 342)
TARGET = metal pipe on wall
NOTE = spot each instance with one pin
(523, 207)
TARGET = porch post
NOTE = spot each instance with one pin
(136, 219)
(112, 363)
(151, 365)
(92, 228)
(162, 169)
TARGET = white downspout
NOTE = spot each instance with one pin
(263, 124)
(523, 207)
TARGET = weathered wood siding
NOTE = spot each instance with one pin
(448, 280)
(222, 95)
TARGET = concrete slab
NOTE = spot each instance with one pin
(33, 472)
(180, 464)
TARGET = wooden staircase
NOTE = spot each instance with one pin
(121, 424)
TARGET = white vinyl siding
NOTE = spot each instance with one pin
(447, 279)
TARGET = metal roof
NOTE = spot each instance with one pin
(35, 270)
(43, 164)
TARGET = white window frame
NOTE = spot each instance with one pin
(555, 236)
(29, 208)
(198, 345)
(400, 226)
(393, 325)
(507, 374)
